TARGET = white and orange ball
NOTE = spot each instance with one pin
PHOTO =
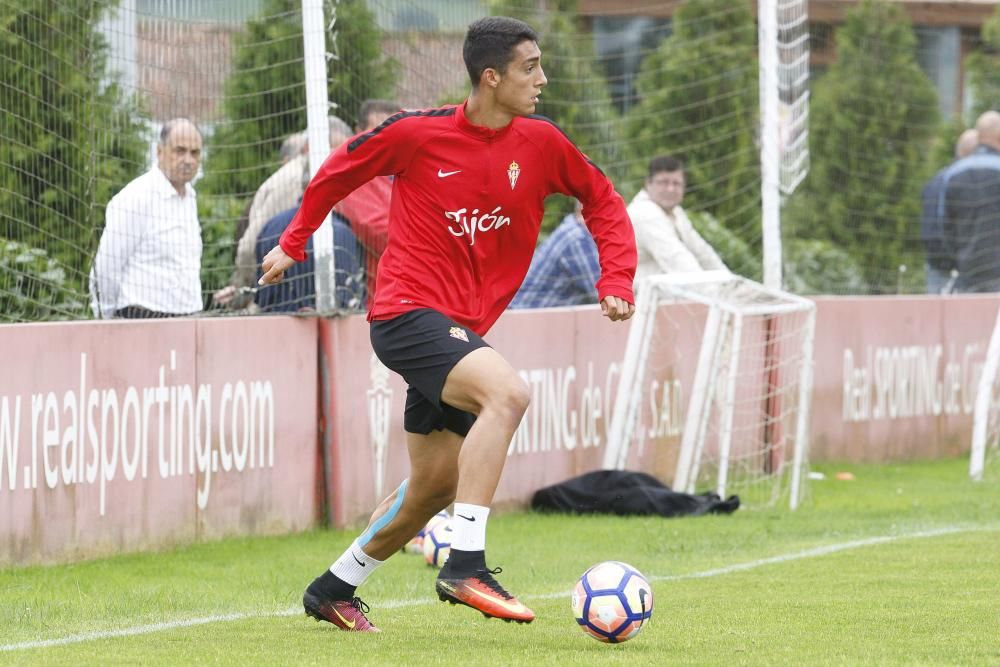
(437, 543)
(612, 602)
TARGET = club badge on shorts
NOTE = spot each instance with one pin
(513, 171)
(459, 333)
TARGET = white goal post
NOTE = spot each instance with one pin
(747, 420)
(986, 415)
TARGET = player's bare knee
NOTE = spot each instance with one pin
(511, 398)
(522, 397)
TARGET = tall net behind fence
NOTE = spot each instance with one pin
(624, 88)
(88, 85)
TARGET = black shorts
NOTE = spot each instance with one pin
(423, 346)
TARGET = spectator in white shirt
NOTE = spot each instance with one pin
(148, 262)
(664, 236)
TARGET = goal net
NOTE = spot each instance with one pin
(984, 458)
(747, 391)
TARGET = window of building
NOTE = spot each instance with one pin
(622, 42)
(939, 54)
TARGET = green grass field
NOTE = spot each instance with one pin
(899, 566)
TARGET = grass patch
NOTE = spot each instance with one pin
(912, 600)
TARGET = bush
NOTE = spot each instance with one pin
(218, 216)
(818, 267)
(737, 255)
(34, 286)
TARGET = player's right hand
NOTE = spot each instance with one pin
(274, 266)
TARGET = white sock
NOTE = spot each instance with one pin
(354, 566)
(469, 527)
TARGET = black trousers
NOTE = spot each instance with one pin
(140, 313)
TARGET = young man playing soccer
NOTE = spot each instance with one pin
(467, 202)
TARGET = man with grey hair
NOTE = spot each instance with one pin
(148, 262)
(293, 145)
(280, 192)
(972, 210)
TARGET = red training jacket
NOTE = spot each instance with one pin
(466, 208)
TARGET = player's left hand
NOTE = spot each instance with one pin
(616, 308)
(275, 263)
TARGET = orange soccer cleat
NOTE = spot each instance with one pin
(483, 593)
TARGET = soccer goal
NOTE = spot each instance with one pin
(745, 429)
(984, 458)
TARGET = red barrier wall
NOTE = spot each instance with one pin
(123, 435)
(895, 378)
(120, 435)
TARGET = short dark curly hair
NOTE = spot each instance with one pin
(662, 163)
(490, 43)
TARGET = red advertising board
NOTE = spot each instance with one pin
(122, 435)
(127, 434)
(895, 377)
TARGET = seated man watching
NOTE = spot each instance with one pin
(298, 291)
(664, 236)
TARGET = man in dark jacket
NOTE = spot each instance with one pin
(972, 209)
(939, 263)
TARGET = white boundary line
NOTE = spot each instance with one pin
(393, 604)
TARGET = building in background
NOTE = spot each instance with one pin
(422, 35)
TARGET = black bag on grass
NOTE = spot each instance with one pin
(627, 493)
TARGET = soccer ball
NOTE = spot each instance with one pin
(437, 544)
(416, 545)
(612, 601)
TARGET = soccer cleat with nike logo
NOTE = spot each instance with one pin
(347, 615)
(483, 593)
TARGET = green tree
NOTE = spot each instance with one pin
(577, 96)
(873, 119)
(698, 101)
(70, 140)
(812, 266)
(983, 68)
(266, 96)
